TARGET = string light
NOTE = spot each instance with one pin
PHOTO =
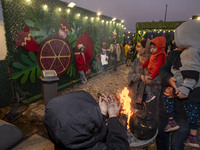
(68, 10)
(86, 17)
(122, 21)
(98, 13)
(98, 18)
(45, 7)
(102, 21)
(107, 22)
(113, 19)
(78, 15)
(28, 0)
(92, 18)
(59, 9)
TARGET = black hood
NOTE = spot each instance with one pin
(74, 120)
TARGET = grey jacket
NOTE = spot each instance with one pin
(135, 86)
(187, 36)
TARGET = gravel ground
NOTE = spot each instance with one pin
(30, 121)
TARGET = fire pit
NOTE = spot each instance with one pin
(141, 124)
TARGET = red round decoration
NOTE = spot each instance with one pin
(54, 54)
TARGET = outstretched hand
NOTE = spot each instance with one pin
(103, 104)
(113, 107)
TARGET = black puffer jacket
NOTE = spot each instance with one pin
(74, 121)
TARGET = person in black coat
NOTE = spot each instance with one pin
(178, 137)
(75, 121)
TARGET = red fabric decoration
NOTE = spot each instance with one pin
(64, 28)
(26, 40)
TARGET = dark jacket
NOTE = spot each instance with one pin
(173, 59)
(74, 121)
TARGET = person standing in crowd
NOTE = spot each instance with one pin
(75, 121)
(115, 53)
(186, 76)
(134, 52)
(127, 51)
(81, 63)
(176, 139)
(136, 79)
(104, 60)
(154, 63)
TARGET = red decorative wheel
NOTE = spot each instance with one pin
(54, 54)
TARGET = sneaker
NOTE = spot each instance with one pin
(192, 141)
(150, 98)
(171, 126)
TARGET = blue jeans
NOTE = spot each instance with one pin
(177, 137)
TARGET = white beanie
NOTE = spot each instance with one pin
(80, 46)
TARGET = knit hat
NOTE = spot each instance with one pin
(80, 46)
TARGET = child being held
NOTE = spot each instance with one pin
(154, 63)
(186, 79)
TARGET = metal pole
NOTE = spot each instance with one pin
(165, 12)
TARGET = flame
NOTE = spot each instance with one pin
(126, 104)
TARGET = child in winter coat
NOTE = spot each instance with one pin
(186, 79)
(154, 63)
(81, 63)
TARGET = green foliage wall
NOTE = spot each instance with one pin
(43, 23)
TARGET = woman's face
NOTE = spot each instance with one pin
(140, 49)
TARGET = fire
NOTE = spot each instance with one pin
(126, 104)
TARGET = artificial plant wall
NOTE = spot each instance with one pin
(43, 34)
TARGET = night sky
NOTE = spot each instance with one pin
(133, 11)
